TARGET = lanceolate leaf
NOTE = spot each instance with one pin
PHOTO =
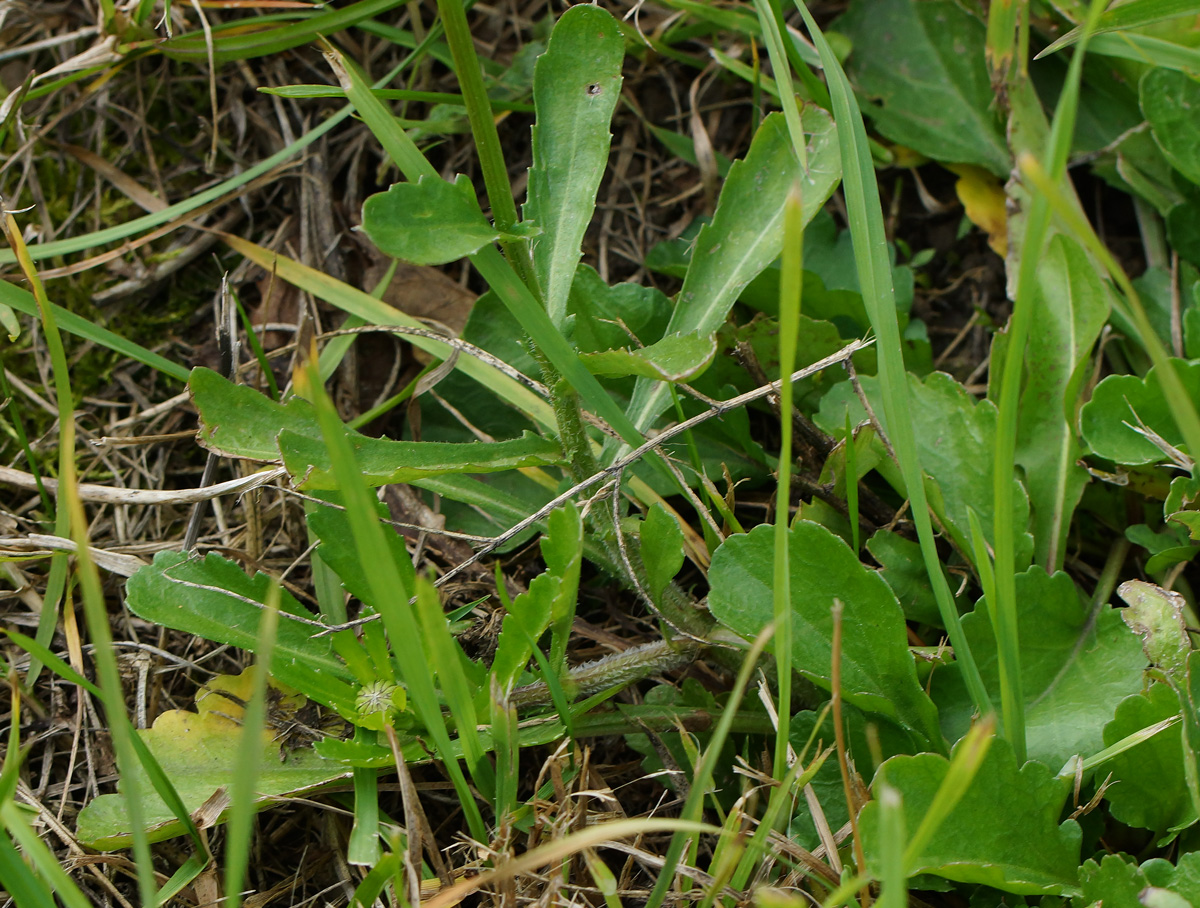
(677, 357)
(576, 83)
(1071, 308)
(384, 461)
(877, 670)
(746, 233)
(208, 597)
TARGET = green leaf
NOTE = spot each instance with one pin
(199, 752)
(1076, 667)
(675, 358)
(1169, 101)
(923, 61)
(1119, 884)
(746, 233)
(1134, 14)
(877, 670)
(952, 430)
(1003, 833)
(1157, 616)
(384, 461)
(1108, 421)
(661, 545)
(238, 421)
(207, 597)
(1071, 307)
(1149, 788)
(576, 84)
(430, 222)
(904, 570)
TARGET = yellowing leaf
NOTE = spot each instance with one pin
(984, 200)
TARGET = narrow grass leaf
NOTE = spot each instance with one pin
(1129, 15)
(240, 820)
(30, 890)
(693, 807)
(391, 592)
(374, 311)
(447, 658)
(576, 84)
(892, 874)
(791, 281)
(875, 279)
(237, 42)
(23, 301)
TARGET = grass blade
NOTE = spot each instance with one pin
(875, 279)
(1004, 607)
(391, 591)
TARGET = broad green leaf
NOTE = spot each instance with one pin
(746, 233)
(576, 84)
(1149, 789)
(675, 358)
(198, 751)
(951, 429)
(338, 550)
(1004, 832)
(207, 597)
(384, 461)
(1156, 615)
(1169, 101)
(661, 545)
(877, 669)
(1116, 883)
(1134, 14)
(1076, 668)
(923, 62)
(1109, 421)
(1071, 307)
(430, 222)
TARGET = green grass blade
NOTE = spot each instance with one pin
(693, 808)
(1129, 15)
(1004, 606)
(576, 84)
(894, 890)
(447, 660)
(23, 301)
(246, 44)
(26, 887)
(363, 847)
(71, 522)
(479, 112)
(791, 281)
(875, 279)
(783, 76)
(374, 311)
(391, 591)
(239, 824)
(1147, 49)
(389, 94)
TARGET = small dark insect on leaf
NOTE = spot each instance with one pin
(594, 88)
